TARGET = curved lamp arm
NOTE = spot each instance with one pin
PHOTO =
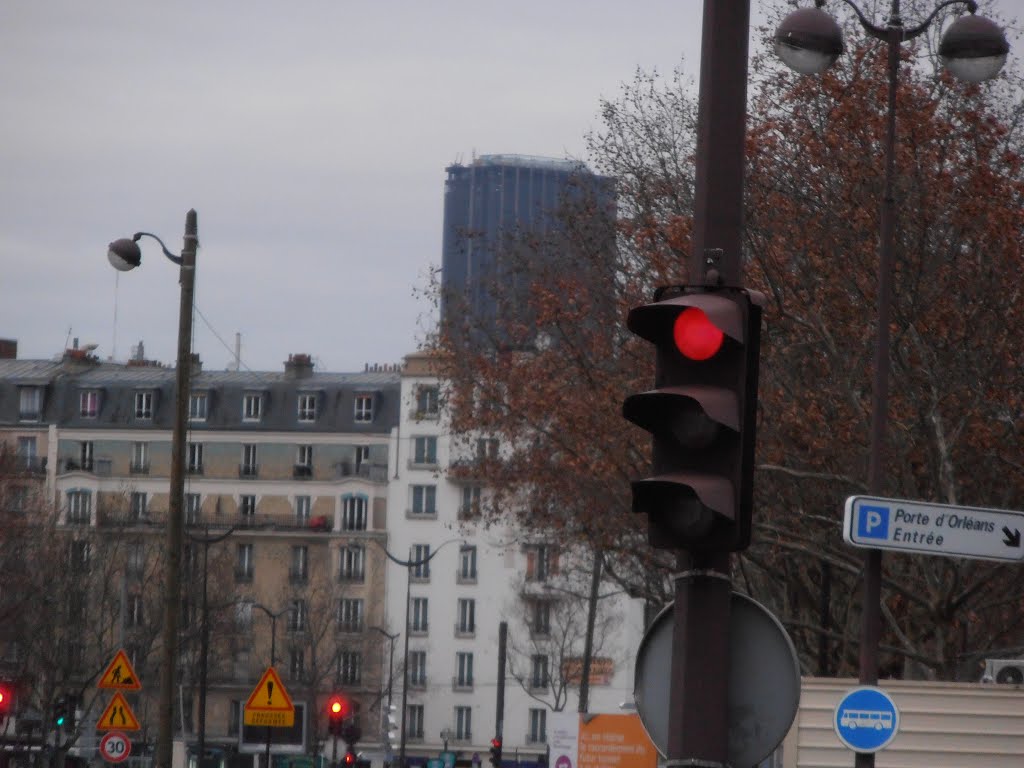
(176, 259)
(414, 563)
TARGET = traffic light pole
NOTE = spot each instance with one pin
(698, 701)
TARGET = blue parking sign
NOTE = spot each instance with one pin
(866, 719)
(873, 521)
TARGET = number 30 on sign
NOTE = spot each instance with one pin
(115, 747)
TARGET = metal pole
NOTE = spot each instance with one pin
(871, 622)
(588, 643)
(273, 659)
(499, 707)
(698, 697)
(175, 512)
(405, 667)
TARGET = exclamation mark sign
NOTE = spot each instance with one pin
(270, 692)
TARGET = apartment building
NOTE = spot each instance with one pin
(286, 516)
(467, 576)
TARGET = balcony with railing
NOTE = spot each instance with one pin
(462, 683)
(375, 473)
(248, 471)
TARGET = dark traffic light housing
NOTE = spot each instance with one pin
(496, 751)
(702, 414)
(60, 712)
(338, 708)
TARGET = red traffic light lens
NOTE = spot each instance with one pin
(3, 696)
(696, 337)
(350, 759)
(495, 743)
(337, 706)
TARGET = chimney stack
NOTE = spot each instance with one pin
(299, 366)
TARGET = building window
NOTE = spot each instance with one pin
(252, 407)
(364, 409)
(243, 615)
(143, 405)
(421, 556)
(464, 670)
(419, 615)
(79, 507)
(540, 625)
(136, 562)
(424, 500)
(467, 563)
(235, 718)
(138, 505)
(417, 669)
(464, 723)
(350, 614)
(193, 505)
(17, 498)
(424, 450)
(467, 617)
(247, 508)
(353, 513)
(469, 506)
(88, 404)
(299, 572)
(30, 403)
(362, 460)
(304, 461)
(297, 616)
(198, 403)
(307, 408)
(140, 458)
(27, 456)
(541, 562)
(85, 455)
(538, 671)
(487, 448)
(78, 552)
(414, 722)
(538, 726)
(195, 458)
(135, 605)
(250, 465)
(302, 506)
(350, 667)
(353, 559)
(426, 402)
(296, 664)
(243, 562)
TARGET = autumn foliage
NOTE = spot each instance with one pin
(552, 386)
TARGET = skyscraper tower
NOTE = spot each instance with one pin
(490, 207)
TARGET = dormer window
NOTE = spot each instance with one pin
(30, 403)
(307, 407)
(252, 407)
(88, 403)
(144, 405)
(198, 404)
(426, 402)
(364, 409)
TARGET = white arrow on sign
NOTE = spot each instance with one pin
(934, 529)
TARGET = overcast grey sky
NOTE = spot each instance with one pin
(311, 136)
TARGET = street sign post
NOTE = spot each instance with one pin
(934, 529)
(866, 719)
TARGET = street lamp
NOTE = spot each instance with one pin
(973, 49)
(125, 255)
(408, 565)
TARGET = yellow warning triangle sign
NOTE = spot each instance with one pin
(269, 703)
(118, 715)
(120, 675)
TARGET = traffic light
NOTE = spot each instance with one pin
(6, 700)
(350, 758)
(60, 712)
(702, 415)
(338, 708)
(496, 751)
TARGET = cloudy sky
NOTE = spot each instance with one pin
(311, 136)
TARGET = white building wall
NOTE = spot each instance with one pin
(501, 565)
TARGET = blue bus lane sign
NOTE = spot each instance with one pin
(866, 719)
(934, 529)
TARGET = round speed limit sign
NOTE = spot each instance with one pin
(115, 747)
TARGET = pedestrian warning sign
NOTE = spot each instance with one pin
(120, 675)
(118, 716)
(270, 704)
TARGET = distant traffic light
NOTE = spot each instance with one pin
(496, 751)
(702, 415)
(6, 699)
(350, 758)
(338, 708)
(60, 712)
